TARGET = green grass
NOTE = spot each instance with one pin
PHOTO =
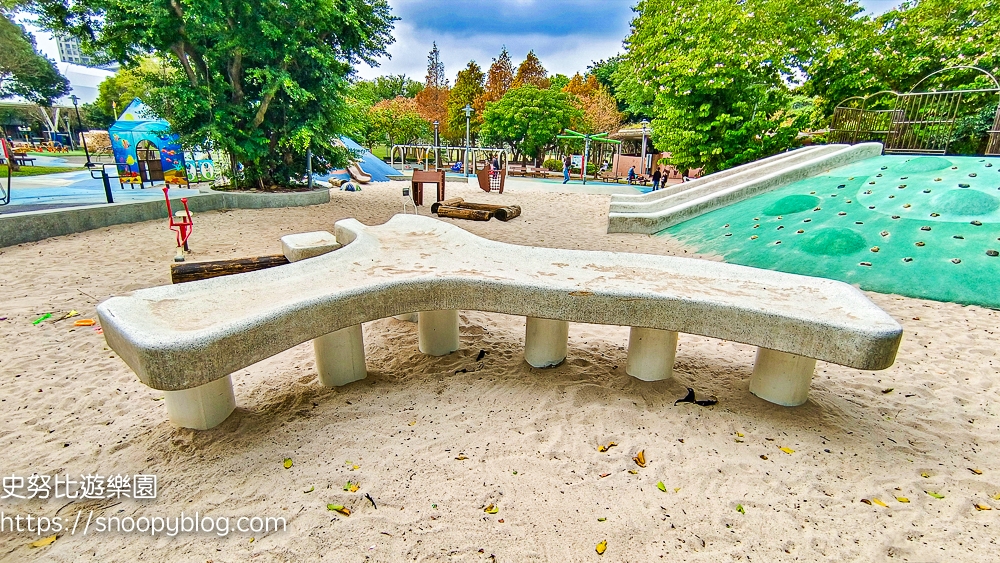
(35, 170)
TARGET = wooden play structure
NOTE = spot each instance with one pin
(458, 208)
(492, 179)
(421, 177)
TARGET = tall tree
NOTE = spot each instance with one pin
(468, 88)
(397, 121)
(499, 79)
(432, 101)
(385, 88)
(599, 108)
(23, 70)
(527, 120)
(718, 84)
(262, 80)
(531, 72)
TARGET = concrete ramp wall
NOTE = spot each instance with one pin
(681, 202)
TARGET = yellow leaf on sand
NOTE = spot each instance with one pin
(602, 547)
(640, 458)
(677, 489)
(880, 503)
(788, 451)
(980, 506)
(44, 541)
(461, 458)
(633, 471)
(339, 508)
(935, 495)
(903, 499)
(413, 422)
(288, 463)
(976, 471)
(661, 486)
(925, 475)
(491, 509)
(606, 448)
(996, 496)
(739, 434)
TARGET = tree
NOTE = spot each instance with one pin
(897, 49)
(23, 70)
(385, 88)
(262, 80)
(432, 101)
(531, 72)
(527, 120)
(397, 121)
(718, 84)
(558, 81)
(468, 88)
(499, 79)
(599, 108)
(604, 71)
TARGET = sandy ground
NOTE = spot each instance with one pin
(433, 441)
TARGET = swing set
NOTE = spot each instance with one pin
(587, 138)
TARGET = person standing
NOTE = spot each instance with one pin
(567, 162)
(656, 179)
(631, 174)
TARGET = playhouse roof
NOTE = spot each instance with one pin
(138, 117)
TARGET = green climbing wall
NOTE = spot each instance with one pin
(921, 226)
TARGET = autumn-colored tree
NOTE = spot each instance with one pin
(468, 88)
(531, 73)
(599, 107)
(499, 79)
(432, 101)
(396, 121)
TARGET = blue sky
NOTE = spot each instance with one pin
(565, 34)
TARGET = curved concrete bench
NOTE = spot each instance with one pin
(187, 339)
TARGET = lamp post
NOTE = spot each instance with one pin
(79, 123)
(468, 116)
(437, 144)
(645, 124)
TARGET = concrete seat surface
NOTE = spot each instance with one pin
(189, 335)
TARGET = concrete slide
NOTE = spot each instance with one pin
(654, 211)
(357, 174)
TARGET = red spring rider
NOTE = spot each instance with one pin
(181, 223)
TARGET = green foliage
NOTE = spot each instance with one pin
(262, 80)
(553, 164)
(528, 119)
(604, 71)
(397, 122)
(468, 88)
(23, 70)
(717, 85)
(897, 49)
(558, 81)
(385, 88)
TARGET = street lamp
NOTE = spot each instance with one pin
(645, 124)
(468, 115)
(79, 123)
(437, 142)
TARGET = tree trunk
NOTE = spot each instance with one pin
(180, 273)
(453, 202)
(460, 213)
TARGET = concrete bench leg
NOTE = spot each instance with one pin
(545, 342)
(651, 353)
(437, 332)
(781, 378)
(202, 407)
(340, 356)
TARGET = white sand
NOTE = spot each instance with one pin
(68, 404)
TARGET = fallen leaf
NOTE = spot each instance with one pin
(603, 475)
(661, 486)
(640, 458)
(925, 475)
(44, 541)
(880, 503)
(491, 509)
(461, 458)
(677, 489)
(602, 547)
(740, 509)
(996, 496)
(339, 508)
(866, 501)
(413, 422)
(935, 495)
(602, 519)
(980, 506)
(788, 451)
(500, 521)
(903, 499)
(311, 489)
(739, 434)
(887, 391)
(351, 487)
(633, 471)
(288, 463)
(763, 457)
(606, 448)
(976, 471)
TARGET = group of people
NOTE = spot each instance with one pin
(659, 177)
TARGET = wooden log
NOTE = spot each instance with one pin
(453, 202)
(462, 213)
(180, 273)
(501, 212)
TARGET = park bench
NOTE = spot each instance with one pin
(517, 169)
(537, 171)
(609, 176)
(188, 339)
(21, 158)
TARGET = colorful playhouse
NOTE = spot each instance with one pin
(145, 150)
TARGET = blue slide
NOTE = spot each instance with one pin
(369, 163)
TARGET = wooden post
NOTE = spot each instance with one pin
(462, 213)
(181, 273)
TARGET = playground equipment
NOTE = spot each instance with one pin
(181, 223)
(7, 154)
(145, 150)
(492, 179)
(587, 138)
(420, 178)
(354, 169)
(449, 155)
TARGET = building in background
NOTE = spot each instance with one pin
(70, 52)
